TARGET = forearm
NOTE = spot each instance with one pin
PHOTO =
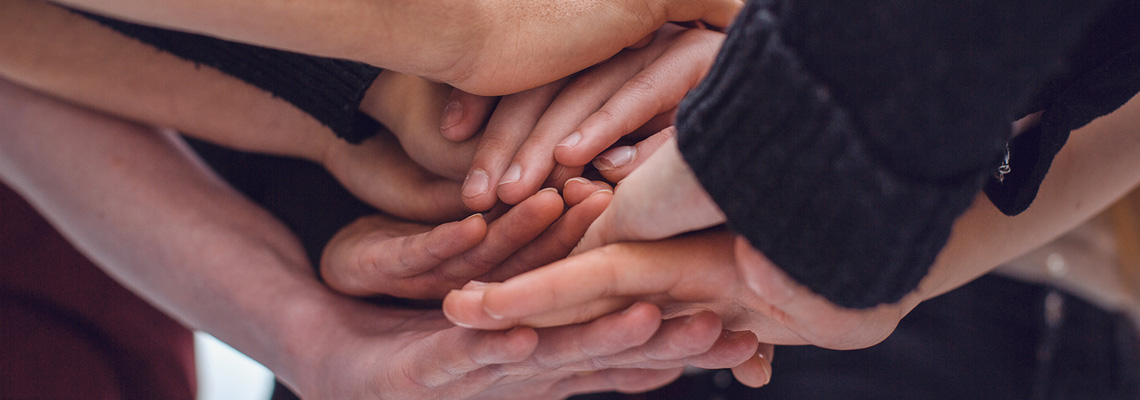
(1095, 168)
(74, 58)
(134, 202)
(382, 33)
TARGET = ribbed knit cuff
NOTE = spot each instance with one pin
(794, 175)
(328, 89)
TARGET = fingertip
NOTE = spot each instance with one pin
(464, 308)
(505, 302)
(520, 343)
(463, 115)
(550, 199)
(577, 190)
(577, 155)
(755, 372)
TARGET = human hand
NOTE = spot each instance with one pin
(695, 272)
(352, 350)
(416, 111)
(544, 141)
(382, 255)
(379, 172)
(658, 195)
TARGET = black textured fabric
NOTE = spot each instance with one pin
(843, 138)
(328, 89)
(1104, 73)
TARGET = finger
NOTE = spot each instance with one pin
(731, 349)
(465, 308)
(561, 174)
(556, 242)
(619, 271)
(578, 189)
(512, 121)
(407, 191)
(658, 123)
(619, 380)
(369, 264)
(576, 281)
(512, 231)
(589, 91)
(611, 334)
(616, 163)
(655, 90)
(464, 114)
(677, 339)
(451, 354)
(417, 253)
(757, 370)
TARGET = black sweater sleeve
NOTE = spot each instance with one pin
(843, 138)
(328, 89)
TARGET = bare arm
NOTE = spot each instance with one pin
(135, 202)
(485, 47)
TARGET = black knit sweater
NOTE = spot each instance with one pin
(843, 138)
(328, 89)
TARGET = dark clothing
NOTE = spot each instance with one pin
(69, 331)
(328, 89)
(843, 138)
(995, 338)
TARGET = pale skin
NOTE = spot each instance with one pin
(484, 47)
(714, 271)
(60, 53)
(57, 52)
(134, 201)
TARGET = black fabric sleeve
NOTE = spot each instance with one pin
(843, 138)
(1103, 74)
(328, 89)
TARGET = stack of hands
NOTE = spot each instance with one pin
(569, 244)
(650, 250)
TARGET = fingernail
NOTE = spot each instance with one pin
(477, 183)
(513, 174)
(599, 193)
(571, 140)
(473, 216)
(474, 285)
(452, 319)
(493, 316)
(579, 179)
(615, 158)
(452, 114)
(558, 171)
(548, 190)
(767, 374)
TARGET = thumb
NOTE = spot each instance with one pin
(658, 201)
